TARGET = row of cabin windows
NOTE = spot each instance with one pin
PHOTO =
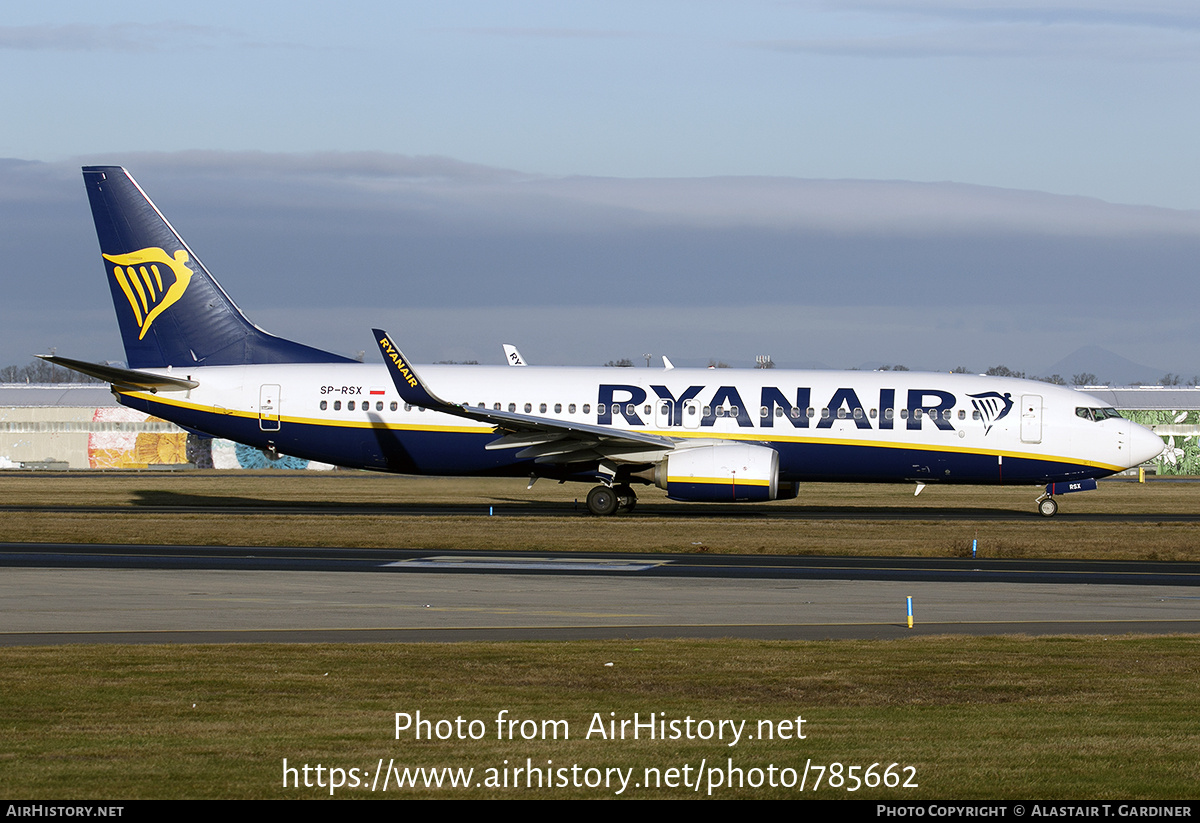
(366, 405)
(721, 411)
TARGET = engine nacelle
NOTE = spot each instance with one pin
(727, 472)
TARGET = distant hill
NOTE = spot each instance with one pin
(1109, 368)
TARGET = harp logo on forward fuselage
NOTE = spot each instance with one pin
(151, 280)
(992, 406)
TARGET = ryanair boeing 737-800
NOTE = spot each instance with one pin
(702, 435)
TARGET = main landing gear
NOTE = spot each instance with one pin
(1047, 507)
(605, 500)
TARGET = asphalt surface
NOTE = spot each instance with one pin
(60, 593)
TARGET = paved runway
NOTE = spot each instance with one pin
(91, 594)
(189, 503)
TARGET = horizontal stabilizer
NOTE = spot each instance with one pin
(123, 378)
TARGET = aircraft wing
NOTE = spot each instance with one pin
(544, 438)
(123, 379)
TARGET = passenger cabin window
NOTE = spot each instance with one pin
(337, 405)
(571, 409)
(324, 405)
(394, 405)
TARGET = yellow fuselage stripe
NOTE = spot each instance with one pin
(759, 436)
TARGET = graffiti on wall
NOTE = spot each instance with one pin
(1179, 430)
(130, 439)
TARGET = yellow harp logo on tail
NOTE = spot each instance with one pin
(140, 274)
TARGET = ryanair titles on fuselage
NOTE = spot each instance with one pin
(622, 401)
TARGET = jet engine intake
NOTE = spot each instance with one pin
(727, 472)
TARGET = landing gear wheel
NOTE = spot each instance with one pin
(602, 500)
(626, 499)
(1047, 507)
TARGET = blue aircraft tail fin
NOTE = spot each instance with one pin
(171, 311)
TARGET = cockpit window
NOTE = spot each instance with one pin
(1096, 414)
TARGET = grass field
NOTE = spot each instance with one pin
(833, 519)
(1009, 717)
(1083, 718)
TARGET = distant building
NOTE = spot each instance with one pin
(83, 427)
(1173, 412)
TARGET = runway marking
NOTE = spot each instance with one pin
(559, 564)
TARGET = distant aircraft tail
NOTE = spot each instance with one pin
(171, 311)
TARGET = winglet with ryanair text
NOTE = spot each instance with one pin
(408, 384)
(413, 391)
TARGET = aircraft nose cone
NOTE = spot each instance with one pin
(1143, 445)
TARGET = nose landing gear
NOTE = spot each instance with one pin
(1047, 506)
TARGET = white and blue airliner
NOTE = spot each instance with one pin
(711, 435)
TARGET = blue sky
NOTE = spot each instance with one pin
(1089, 98)
(586, 150)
